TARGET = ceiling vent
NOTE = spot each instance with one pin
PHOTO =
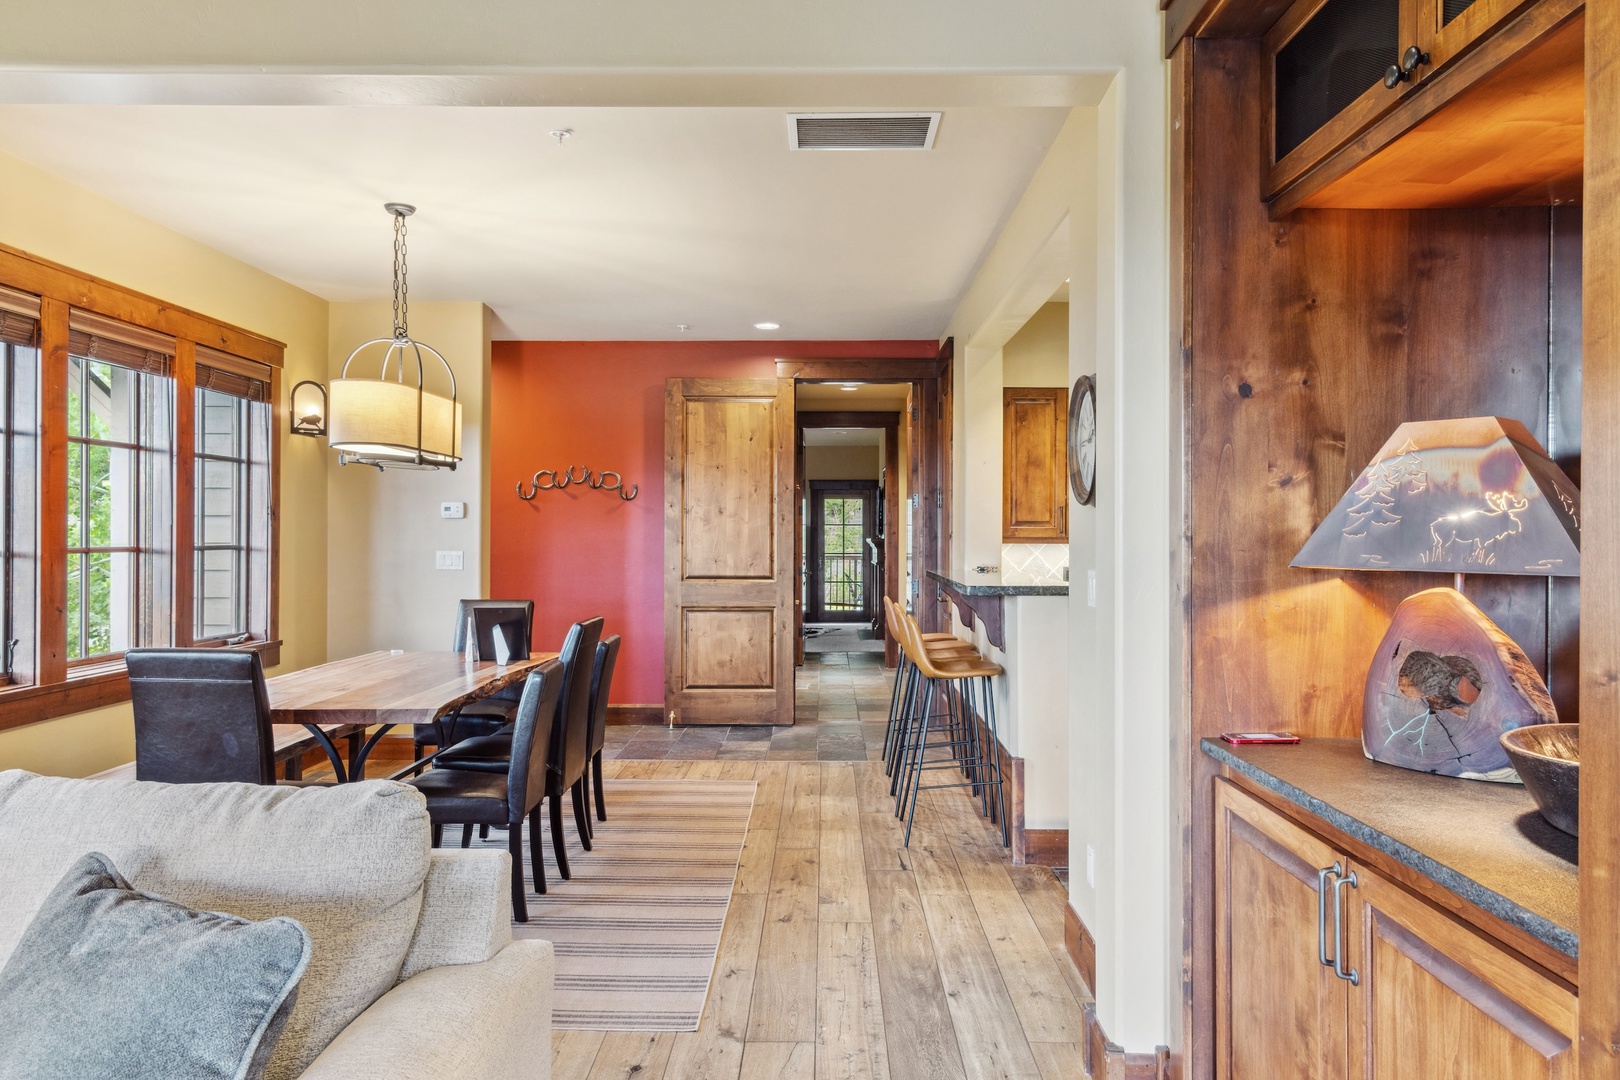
(862, 131)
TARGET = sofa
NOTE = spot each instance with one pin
(413, 972)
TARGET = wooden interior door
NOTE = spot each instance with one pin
(1279, 1011)
(1436, 999)
(729, 571)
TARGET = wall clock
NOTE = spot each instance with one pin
(1083, 439)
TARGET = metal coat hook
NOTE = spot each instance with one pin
(554, 480)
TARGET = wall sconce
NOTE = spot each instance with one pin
(307, 405)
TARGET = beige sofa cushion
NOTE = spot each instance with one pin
(347, 862)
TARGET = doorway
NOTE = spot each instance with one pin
(843, 573)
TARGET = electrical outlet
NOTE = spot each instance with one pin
(1091, 866)
(452, 509)
(1091, 588)
(447, 560)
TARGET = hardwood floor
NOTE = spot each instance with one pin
(846, 955)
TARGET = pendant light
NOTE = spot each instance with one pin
(392, 422)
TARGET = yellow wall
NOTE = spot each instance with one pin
(383, 528)
(45, 216)
(842, 462)
(1038, 355)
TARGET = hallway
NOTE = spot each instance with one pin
(846, 955)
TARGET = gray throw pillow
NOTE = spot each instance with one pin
(111, 982)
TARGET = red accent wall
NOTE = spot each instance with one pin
(600, 404)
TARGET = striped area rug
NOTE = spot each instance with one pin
(637, 928)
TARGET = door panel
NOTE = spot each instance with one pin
(728, 579)
(1280, 1012)
(1035, 481)
(1437, 1000)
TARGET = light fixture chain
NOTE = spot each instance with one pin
(402, 288)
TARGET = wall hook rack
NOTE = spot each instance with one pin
(557, 479)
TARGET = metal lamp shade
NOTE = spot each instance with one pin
(378, 420)
(1469, 496)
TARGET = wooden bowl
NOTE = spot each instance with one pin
(1548, 758)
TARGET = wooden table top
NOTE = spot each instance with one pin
(390, 687)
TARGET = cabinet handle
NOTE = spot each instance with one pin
(1321, 912)
(1399, 73)
(1351, 976)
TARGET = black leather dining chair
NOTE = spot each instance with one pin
(456, 796)
(607, 657)
(487, 715)
(566, 760)
(201, 716)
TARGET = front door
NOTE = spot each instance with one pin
(728, 551)
(842, 577)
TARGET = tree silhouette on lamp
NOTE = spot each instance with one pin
(1467, 496)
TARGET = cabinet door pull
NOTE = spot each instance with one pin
(1352, 976)
(1321, 912)
(1399, 73)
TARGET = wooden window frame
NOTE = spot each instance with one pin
(58, 688)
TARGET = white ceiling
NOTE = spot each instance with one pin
(644, 219)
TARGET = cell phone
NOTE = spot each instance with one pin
(1245, 737)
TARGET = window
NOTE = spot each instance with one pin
(19, 468)
(137, 486)
(231, 586)
(119, 507)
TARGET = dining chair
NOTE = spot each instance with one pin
(566, 760)
(487, 715)
(202, 716)
(460, 797)
(607, 657)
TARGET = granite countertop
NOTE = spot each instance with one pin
(997, 588)
(1484, 842)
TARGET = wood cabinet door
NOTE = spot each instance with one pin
(1358, 71)
(728, 551)
(1449, 28)
(1437, 1001)
(1034, 464)
(1279, 1012)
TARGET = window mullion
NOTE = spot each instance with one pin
(50, 629)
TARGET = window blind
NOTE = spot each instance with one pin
(100, 338)
(224, 373)
(19, 317)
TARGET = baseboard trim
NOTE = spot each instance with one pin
(1046, 847)
(635, 714)
(1107, 1060)
(1081, 947)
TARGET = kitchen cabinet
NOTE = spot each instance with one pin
(1329, 968)
(1492, 89)
(1035, 479)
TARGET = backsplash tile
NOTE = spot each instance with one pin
(1033, 564)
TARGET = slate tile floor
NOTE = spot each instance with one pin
(842, 705)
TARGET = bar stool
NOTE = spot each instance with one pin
(903, 692)
(961, 681)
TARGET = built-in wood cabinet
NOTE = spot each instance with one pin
(1327, 968)
(1034, 487)
(1462, 102)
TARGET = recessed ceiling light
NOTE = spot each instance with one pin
(767, 326)
(851, 388)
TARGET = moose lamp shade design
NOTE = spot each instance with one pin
(1469, 496)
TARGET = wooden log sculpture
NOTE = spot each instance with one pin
(1445, 683)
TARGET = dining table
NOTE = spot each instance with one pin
(368, 695)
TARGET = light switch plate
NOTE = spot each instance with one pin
(452, 509)
(1091, 866)
(1091, 588)
(447, 560)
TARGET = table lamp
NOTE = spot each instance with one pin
(1468, 496)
